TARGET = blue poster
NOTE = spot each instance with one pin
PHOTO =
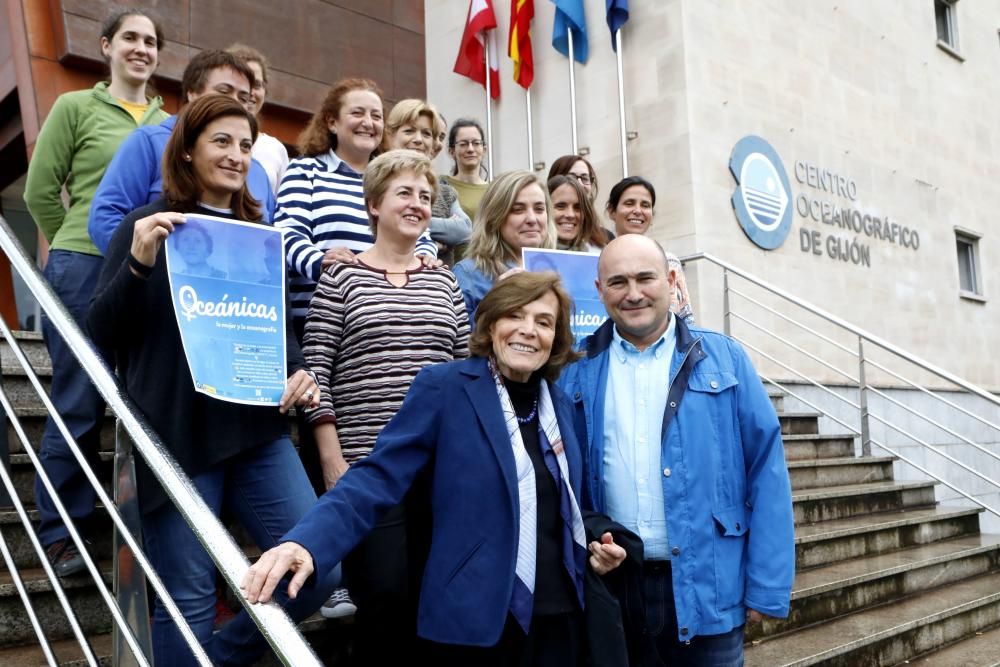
(227, 283)
(578, 271)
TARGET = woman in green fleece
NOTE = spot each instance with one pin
(76, 143)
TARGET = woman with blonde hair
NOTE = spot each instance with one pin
(416, 125)
(515, 213)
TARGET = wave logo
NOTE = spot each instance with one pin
(763, 193)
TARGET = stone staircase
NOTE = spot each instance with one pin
(885, 576)
(18, 643)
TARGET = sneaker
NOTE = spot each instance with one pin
(339, 605)
(65, 558)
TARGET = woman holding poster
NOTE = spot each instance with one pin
(372, 325)
(237, 455)
(514, 214)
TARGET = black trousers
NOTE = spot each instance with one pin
(552, 641)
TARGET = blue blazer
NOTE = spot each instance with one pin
(451, 421)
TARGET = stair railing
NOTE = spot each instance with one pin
(857, 376)
(131, 626)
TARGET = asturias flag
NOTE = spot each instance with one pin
(570, 16)
(617, 14)
(471, 61)
(519, 46)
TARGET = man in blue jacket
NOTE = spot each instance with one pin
(684, 448)
(133, 178)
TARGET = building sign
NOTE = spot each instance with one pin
(835, 223)
(762, 200)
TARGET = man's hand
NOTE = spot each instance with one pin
(263, 576)
(754, 617)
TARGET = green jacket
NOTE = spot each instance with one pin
(76, 143)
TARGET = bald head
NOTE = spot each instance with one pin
(628, 245)
(636, 284)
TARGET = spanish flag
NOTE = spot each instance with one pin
(519, 46)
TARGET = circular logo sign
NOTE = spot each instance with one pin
(763, 195)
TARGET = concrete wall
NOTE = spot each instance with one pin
(857, 88)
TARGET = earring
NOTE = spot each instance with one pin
(187, 157)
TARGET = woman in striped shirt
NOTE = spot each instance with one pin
(320, 200)
(372, 325)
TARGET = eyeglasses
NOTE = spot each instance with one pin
(462, 145)
(583, 178)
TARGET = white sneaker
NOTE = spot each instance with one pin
(339, 605)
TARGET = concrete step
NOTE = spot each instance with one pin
(980, 650)
(799, 423)
(23, 474)
(328, 638)
(813, 474)
(83, 598)
(803, 446)
(824, 593)
(19, 389)
(841, 502)
(777, 398)
(31, 344)
(891, 633)
(98, 531)
(869, 535)
(33, 422)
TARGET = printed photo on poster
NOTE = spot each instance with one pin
(578, 272)
(227, 283)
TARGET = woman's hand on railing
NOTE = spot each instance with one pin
(605, 555)
(263, 576)
(149, 234)
(300, 389)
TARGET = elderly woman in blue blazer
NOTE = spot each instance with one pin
(504, 577)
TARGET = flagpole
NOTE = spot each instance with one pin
(531, 148)
(572, 91)
(621, 103)
(489, 111)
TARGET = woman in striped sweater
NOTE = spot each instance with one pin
(320, 201)
(372, 325)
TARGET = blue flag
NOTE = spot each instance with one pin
(570, 16)
(617, 14)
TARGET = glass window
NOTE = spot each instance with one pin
(944, 15)
(967, 248)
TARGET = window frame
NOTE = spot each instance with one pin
(971, 240)
(949, 44)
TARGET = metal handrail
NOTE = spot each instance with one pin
(812, 405)
(858, 331)
(864, 388)
(275, 625)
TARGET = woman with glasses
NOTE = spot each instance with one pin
(580, 169)
(467, 147)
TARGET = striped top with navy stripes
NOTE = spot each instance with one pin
(367, 339)
(321, 205)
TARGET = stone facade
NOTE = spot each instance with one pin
(854, 89)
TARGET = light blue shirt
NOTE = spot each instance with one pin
(638, 383)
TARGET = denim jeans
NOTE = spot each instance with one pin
(725, 650)
(267, 491)
(72, 276)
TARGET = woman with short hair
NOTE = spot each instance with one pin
(416, 124)
(515, 214)
(504, 580)
(237, 456)
(372, 325)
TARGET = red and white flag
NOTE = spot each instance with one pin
(480, 25)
